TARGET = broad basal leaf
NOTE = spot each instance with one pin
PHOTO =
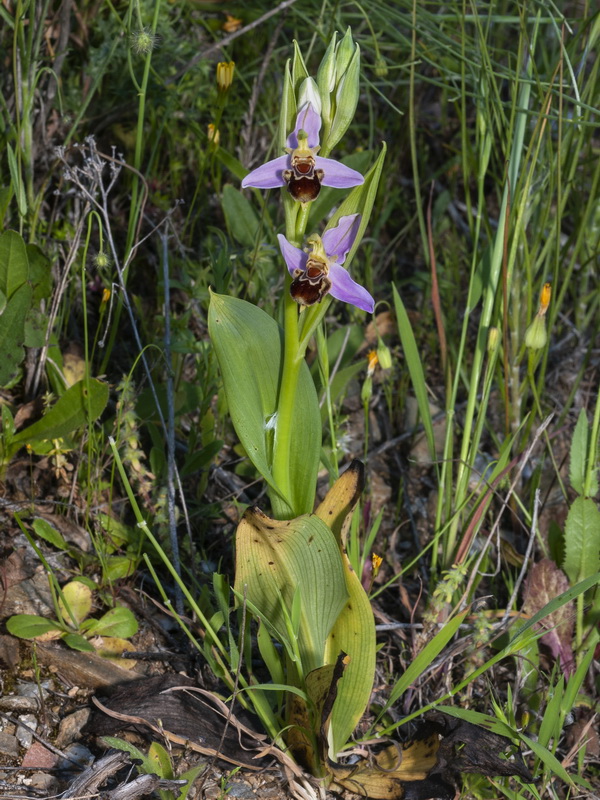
(248, 344)
(279, 561)
(354, 630)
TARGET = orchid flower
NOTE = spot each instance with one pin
(302, 170)
(320, 272)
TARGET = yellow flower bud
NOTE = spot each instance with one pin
(493, 337)
(105, 296)
(225, 70)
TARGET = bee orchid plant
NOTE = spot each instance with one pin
(292, 572)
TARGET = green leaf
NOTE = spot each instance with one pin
(582, 540)
(28, 626)
(249, 347)
(354, 630)
(424, 659)
(161, 762)
(119, 622)
(232, 163)
(68, 413)
(75, 602)
(77, 642)
(277, 559)
(40, 273)
(240, 218)
(49, 534)
(579, 456)
(360, 201)
(415, 368)
(120, 744)
(16, 180)
(14, 264)
(12, 333)
(119, 567)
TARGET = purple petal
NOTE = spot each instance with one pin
(338, 241)
(269, 175)
(337, 174)
(309, 121)
(348, 291)
(294, 258)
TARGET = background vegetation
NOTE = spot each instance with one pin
(119, 180)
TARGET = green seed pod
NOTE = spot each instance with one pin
(536, 335)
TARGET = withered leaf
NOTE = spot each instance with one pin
(545, 582)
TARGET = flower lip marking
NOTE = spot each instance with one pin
(303, 179)
(310, 285)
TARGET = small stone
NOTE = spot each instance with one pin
(9, 652)
(25, 734)
(70, 727)
(27, 689)
(240, 790)
(39, 756)
(13, 703)
(9, 746)
(44, 782)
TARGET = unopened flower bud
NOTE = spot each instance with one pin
(326, 80)
(493, 337)
(384, 354)
(367, 389)
(225, 70)
(380, 69)
(536, 335)
(309, 93)
(344, 54)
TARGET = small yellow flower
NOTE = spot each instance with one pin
(231, 24)
(545, 296)
(225, 70)
(376, 561)
(373, 361)
(105, 296)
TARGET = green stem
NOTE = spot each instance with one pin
(293, 356)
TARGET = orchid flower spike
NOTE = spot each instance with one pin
(302, 170)
(319, 271)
